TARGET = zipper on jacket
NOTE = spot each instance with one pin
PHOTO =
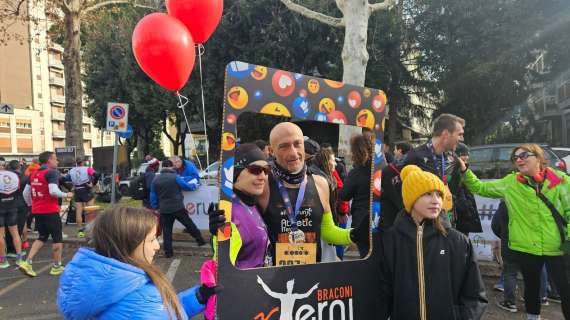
(421, 276)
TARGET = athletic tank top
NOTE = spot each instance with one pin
(308, 220)
(42, 201)
(79, 176)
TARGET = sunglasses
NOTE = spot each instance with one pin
(522, 156)
(257, 170)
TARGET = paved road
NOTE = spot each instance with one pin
(23, 298)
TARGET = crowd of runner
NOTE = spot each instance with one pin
(292, 190)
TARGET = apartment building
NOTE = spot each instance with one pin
(32, 83)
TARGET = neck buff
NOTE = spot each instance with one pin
(249, 200)
(284, 175)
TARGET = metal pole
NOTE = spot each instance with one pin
(115, 151)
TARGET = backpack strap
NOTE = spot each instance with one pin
(558, 218)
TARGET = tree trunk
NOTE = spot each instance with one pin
(354, 53)
(73, 88)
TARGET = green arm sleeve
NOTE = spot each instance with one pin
(330, 233)
(488, 189)
(235, 245)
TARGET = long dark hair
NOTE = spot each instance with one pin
(118, 232)
(361, 149)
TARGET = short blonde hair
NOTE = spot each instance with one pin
(536, 150)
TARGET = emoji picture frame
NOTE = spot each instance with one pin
(331, 290)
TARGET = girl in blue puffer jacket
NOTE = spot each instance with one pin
(117, 280)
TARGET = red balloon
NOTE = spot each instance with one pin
(164, 49)
(201, 17)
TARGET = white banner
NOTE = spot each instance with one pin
(197, 203)
(484, 242)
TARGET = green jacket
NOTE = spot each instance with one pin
(532, 229)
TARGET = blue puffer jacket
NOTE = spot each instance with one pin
(189, 170)
(97, 287)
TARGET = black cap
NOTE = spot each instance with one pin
(245, 154)
(462, 149)
(167, 163)
(311, 146)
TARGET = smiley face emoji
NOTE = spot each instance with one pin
(228, 141)
(379, 102)
(326, 105)
(334, 84)
(365, 119)
(237, 97)
(259, 73)
(283, 83)
(313, 85)
(231, 118)
(354, 99)
(275, 109)
(337, 117)
(366, 92)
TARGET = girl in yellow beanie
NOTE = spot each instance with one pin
(426, 270)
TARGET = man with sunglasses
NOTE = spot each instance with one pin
(296, 203)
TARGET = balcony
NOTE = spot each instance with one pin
(57, 81)
(87, 135)
(58, 99)
(58, 116)
(59, 134)
(55, 63)
(86, 120)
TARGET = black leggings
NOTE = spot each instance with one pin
(531, 266)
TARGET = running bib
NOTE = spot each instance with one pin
(9, 182)
(288, 254)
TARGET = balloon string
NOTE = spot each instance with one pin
(182, 102)
(201, 51)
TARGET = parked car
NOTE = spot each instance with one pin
(125, 184)
(210, 174)
(493, 161)
(563, 153)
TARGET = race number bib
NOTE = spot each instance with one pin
(9, 182)
(288, 254)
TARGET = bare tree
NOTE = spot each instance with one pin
(73, 11)
(354, 20)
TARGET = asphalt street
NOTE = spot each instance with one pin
(24, 298)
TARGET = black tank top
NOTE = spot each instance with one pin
(309, 219)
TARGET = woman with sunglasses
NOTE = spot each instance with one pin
(534, 235)
(249, 240)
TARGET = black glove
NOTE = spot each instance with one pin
(216, 218)
(361, 233)
(204, 293)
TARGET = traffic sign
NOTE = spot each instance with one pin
(117, 116)
(6, 108)
(127, 134)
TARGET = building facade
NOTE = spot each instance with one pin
(32, 82)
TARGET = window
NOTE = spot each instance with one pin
(5, 144)
(25, 145)
(5, 123)
(87, 129)
(24, 126)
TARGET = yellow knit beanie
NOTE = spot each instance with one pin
(416, 183)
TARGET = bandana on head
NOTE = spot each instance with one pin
(284, 175)
(246, 154)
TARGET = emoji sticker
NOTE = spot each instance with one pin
(231, 118)
(377, 183)
(237, 97)
(239, 69)
(337, 117)
(283, 83)
(334, 84)
(378, 155)
(365, 118)
(366, 92)
(228, 141)
(301, 107)
(354, 99)
(326, 105)
(320, 116)
(227, 181)
(379, 102)
(313, 85)
(259, 73)
(275, 109)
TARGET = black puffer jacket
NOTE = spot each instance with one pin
(453, 285)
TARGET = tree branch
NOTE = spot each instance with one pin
(115, 2)
(304, 11)
(384, 5)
